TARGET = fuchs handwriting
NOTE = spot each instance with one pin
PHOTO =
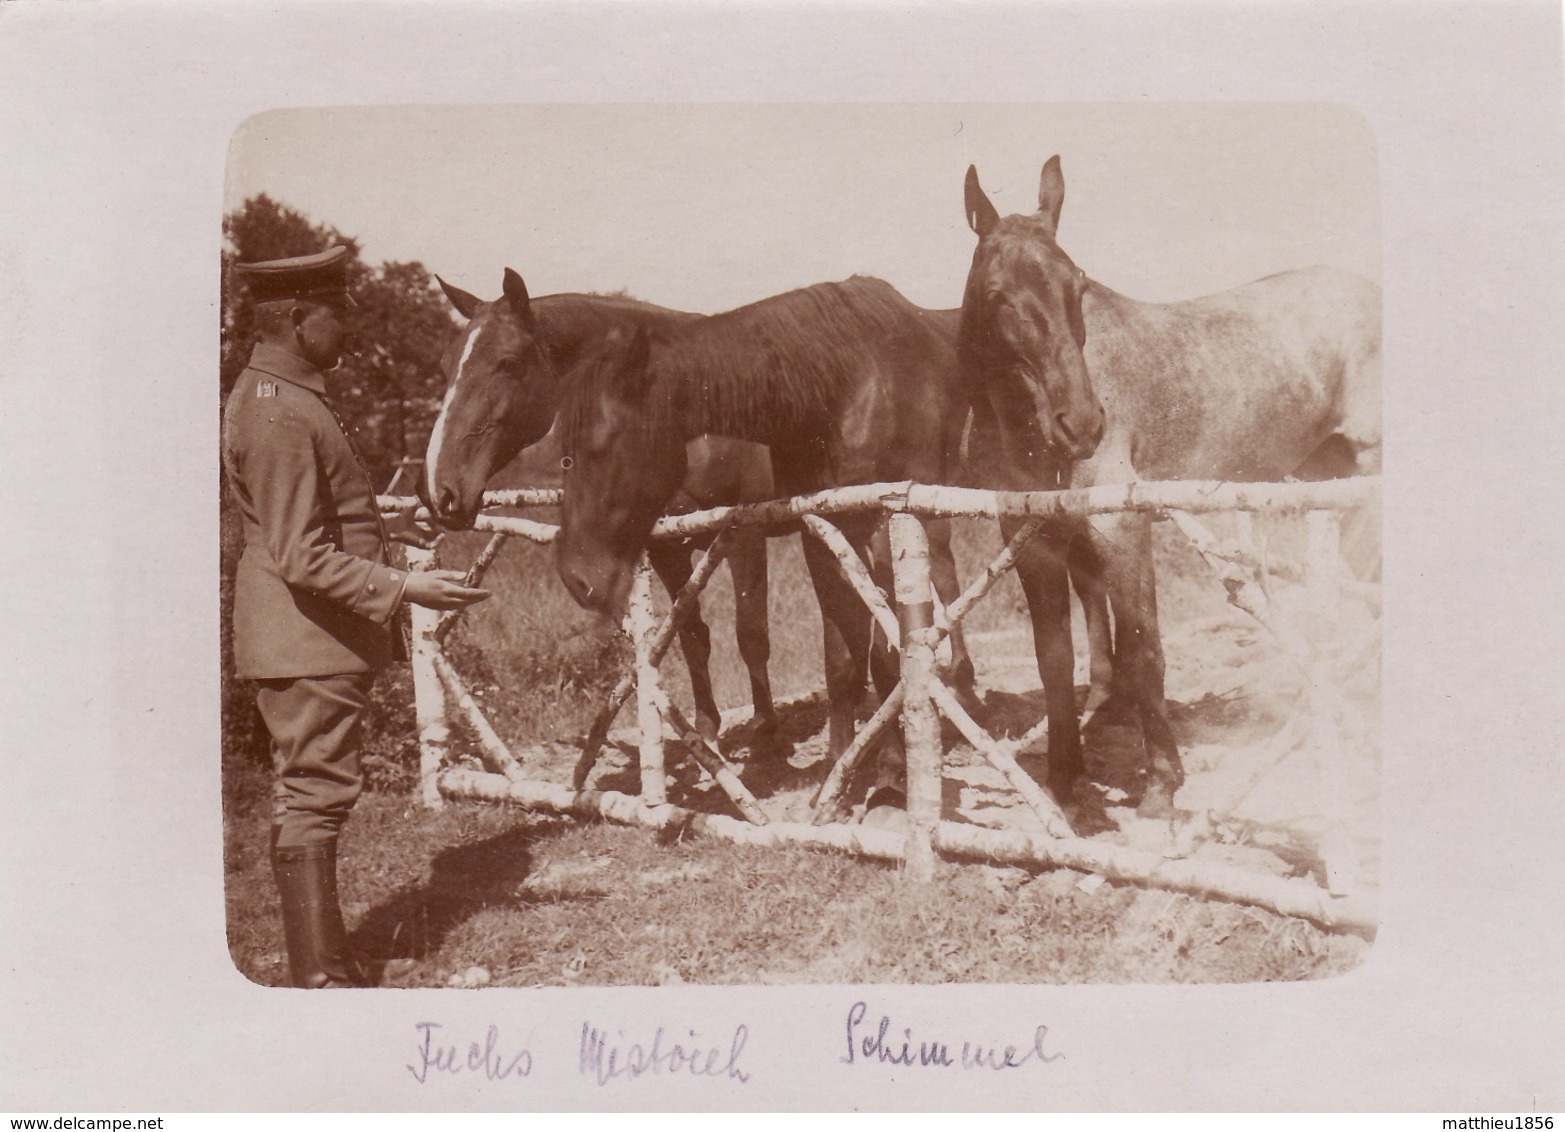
(606, 1055)
(435, 1053)
(877, 1043)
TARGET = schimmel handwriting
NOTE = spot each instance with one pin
(878, 1044)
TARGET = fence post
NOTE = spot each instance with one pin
(1322, 594)
(920, 725)
(642, 627)
(429, 698)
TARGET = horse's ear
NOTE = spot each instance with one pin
(627, 358)
(981, 215)
(464, 303)
(516, 295)
(1051, 193)
(636, 364)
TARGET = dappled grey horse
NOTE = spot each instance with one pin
(1277, 378)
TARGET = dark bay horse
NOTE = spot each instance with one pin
(505, 376)
(846, 383)
(1275, 378)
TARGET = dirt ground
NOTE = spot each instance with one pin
(534, 900)
(1258, 793)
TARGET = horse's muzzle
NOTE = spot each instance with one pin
(1078, 441)
(450, 513)
(605, 591)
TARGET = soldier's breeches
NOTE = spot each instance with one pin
(315, 723)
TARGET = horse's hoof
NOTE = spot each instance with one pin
(1089, 816)
(1069, 785)
(1158, 801)
(1089, 821)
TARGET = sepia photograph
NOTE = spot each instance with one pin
(602, 758)
(781, 557)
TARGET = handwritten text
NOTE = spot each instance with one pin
(486, 1058)
(605, 1056)
(878, 1044)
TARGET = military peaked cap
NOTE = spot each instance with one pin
(320, 276)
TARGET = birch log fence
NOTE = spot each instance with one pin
(913, 622)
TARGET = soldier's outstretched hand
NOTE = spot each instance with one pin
(441, 589)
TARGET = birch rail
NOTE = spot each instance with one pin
(915, 624)
(933, 501)
(953, 840)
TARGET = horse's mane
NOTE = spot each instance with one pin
(782, 363)
(570, 318)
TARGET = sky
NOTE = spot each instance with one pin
(705, 207)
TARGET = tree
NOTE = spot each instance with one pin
(388, 386)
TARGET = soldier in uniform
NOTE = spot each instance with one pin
(316, 597)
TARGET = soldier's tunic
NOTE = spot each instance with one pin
(315, 595)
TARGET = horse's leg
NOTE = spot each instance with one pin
(871, 538)
(1361, 525)
(1342, 455)
(1362, 429)
(845, 626)
(1041, 569)
(1361, 541)
(942, 574)
(1086, 575)
(671, 562)
(747, 567)
(1124, 546)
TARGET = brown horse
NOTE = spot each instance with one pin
(1275, 378)
(846, 383)
(506, 375)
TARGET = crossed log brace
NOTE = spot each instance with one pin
(916, 628)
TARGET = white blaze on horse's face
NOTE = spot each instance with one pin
(438, 434)
(500, 398)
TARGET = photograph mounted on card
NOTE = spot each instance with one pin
(840, 544)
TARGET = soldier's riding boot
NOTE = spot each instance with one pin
(318, 953)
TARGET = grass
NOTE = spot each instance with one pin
(547, 654)
(544, 902)
(537, 901)
(478, 893)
